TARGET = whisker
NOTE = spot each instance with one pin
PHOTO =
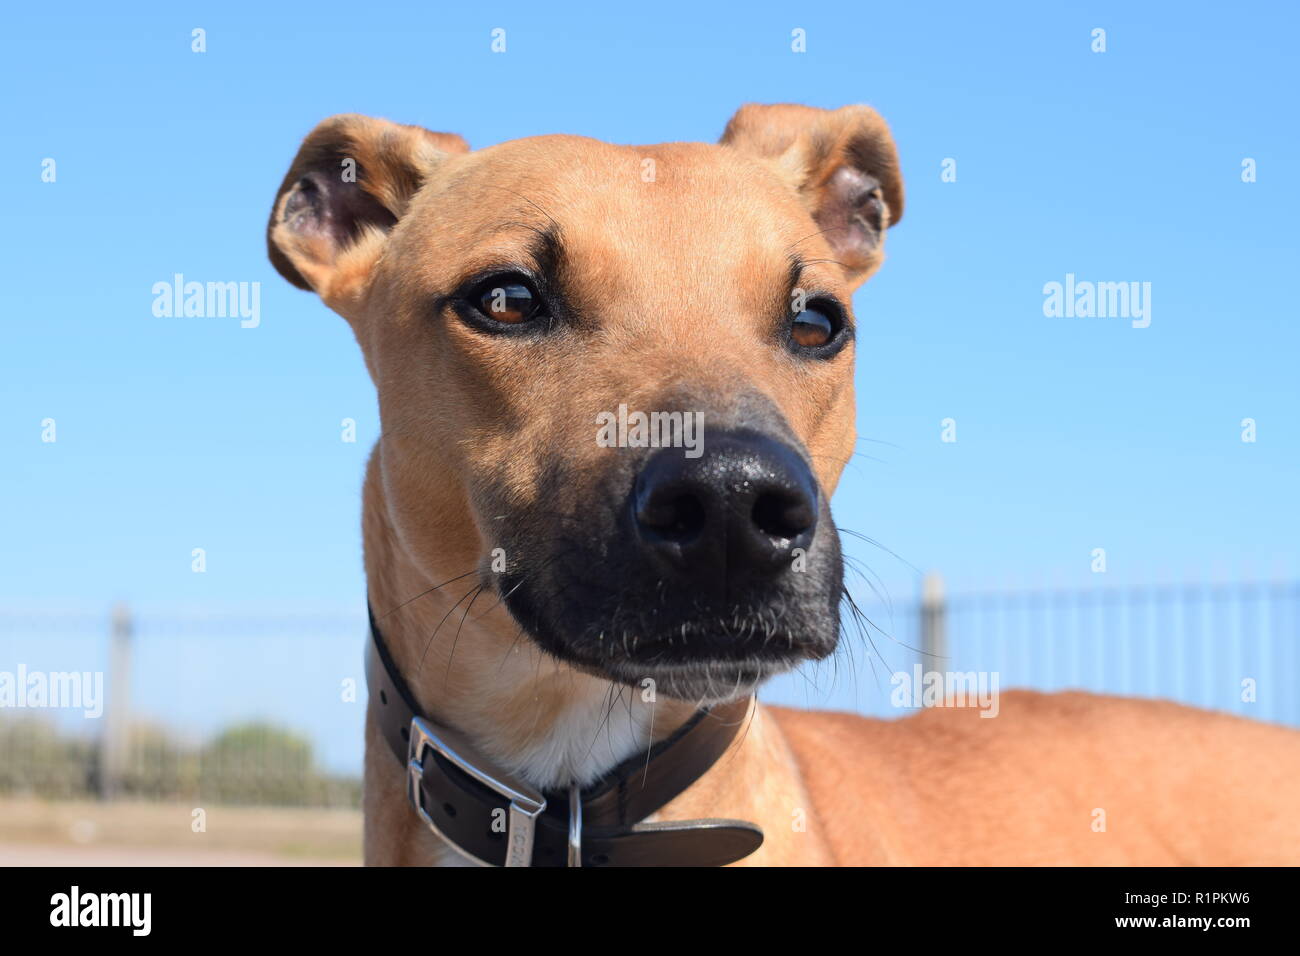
(428, 645)
(455, 640)
(458, 577)
(876, 544)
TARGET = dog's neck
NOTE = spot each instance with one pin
(471, 668)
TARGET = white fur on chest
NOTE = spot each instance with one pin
(595, 733)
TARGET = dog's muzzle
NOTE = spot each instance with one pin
(705, 575)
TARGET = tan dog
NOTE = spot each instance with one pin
(506, 299)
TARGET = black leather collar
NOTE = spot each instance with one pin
(496, 819)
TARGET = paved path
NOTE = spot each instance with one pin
(37, 854)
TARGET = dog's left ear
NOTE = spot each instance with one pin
(843, 164)
(351, 182)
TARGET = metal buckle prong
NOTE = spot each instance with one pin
(575, 825)
(526, 803)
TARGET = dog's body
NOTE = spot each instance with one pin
(505, 300)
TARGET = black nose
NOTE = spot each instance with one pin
(739, 509)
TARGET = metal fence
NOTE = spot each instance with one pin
(1230, 647)
(227, 707)
(267, 707)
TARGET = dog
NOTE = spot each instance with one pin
(562, 624)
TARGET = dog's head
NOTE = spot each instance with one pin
(617, 380)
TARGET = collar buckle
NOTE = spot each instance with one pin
(525, 803)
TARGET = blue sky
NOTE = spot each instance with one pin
(1072, 434)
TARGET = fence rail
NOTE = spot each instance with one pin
(1224, 647)
(267, 708)
(248, 707)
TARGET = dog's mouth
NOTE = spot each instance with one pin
(702, 656)
(704, 682)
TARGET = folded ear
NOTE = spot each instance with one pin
(843, 164)
(350, 183)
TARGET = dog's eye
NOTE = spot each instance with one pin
(510, 300)
(820, 330)
(812, 328)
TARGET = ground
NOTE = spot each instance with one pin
(37, 832)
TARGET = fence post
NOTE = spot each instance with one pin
(934, 624)
(113, 743)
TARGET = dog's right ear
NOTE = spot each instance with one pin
(842, 163)
(350, 183)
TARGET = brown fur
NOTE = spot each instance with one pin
(672, 278)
